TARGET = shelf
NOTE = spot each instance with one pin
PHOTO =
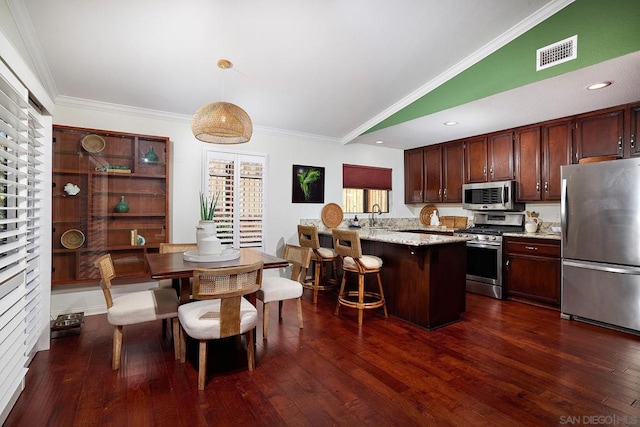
(128, 214)
(128, 193)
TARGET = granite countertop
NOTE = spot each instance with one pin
(399, 237)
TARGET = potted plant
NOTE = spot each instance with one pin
(208, 208)
(206, 237)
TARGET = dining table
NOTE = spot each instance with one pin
(174, 266)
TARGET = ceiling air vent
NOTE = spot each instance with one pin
(557, 53)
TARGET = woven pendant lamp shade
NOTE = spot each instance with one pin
(221, 123)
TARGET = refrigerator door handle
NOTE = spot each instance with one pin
(609, 268)
(563, 212)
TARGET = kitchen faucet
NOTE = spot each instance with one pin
(372, 221)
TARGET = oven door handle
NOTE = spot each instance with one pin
(495, 246)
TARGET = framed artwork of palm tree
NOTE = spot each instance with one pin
(307, 184)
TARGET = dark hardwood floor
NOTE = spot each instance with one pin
(506, 363)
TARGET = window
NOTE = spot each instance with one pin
(239, 182)
(355, 200)
(364, 187)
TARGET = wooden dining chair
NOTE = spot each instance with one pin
(220, 310)
(135, 307)
(281, 288)
(347, 245)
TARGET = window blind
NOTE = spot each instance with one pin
(366, 177)
(238, 180)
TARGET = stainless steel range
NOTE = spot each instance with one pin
(484, 252)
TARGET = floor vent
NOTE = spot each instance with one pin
(557, 53)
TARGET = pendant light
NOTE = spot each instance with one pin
(222, 122)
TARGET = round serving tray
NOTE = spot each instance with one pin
(226, 255)
(72, 239)
(331, 215)
(93, 143)
(425, 214)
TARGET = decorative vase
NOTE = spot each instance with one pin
(151, 156)
(122, 206)
(207, 239)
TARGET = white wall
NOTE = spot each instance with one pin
(283, 150)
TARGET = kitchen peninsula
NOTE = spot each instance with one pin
(423, 275)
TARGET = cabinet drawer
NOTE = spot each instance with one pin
(535, 247)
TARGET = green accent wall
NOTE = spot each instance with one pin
(606, 29)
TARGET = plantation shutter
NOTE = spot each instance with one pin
(14, 231)
(238, 180)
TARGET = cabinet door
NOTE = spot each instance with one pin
(528, 162)
(432, 174)
(413, 176)
(532, 270)
(534, 278)
(556, 151)
(634, 132)
(476, 159)
(501, 156)
(600, 134)
(453, 161)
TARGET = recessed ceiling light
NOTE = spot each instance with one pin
(450, 123)
(379, 142)
(598, 85)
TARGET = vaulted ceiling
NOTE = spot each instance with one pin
(328, 69)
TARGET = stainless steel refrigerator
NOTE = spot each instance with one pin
(600, 216)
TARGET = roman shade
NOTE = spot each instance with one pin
(366, 177)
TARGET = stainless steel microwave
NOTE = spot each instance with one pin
(491, 196)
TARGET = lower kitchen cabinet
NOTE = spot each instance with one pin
(532, 270)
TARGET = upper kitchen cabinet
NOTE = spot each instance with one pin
(600, 133)
(413, 176)
(453, 161)
(489, 158)
(634, 131)
(439, 176)
(539, 153)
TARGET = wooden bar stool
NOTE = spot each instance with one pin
(308, 238)
(346, 243)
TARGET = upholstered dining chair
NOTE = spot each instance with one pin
(220, 310)
(281, 288)
(308, 238)
(347, 245)
(135, 307)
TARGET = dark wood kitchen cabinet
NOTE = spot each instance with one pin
(413, 176)
(130, 167)
(489, 158)
(532, 270)
(453, 161)
(600, 133)
(634, 130)
(539, 151)
(434, 173)
(444, 172)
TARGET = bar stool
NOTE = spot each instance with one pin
(308, 238)
(346, 243)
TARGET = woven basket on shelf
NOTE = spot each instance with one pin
(93, 143)
(72, 239)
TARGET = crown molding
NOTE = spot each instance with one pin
(495, 44)
(106, 107)
(34, 49)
